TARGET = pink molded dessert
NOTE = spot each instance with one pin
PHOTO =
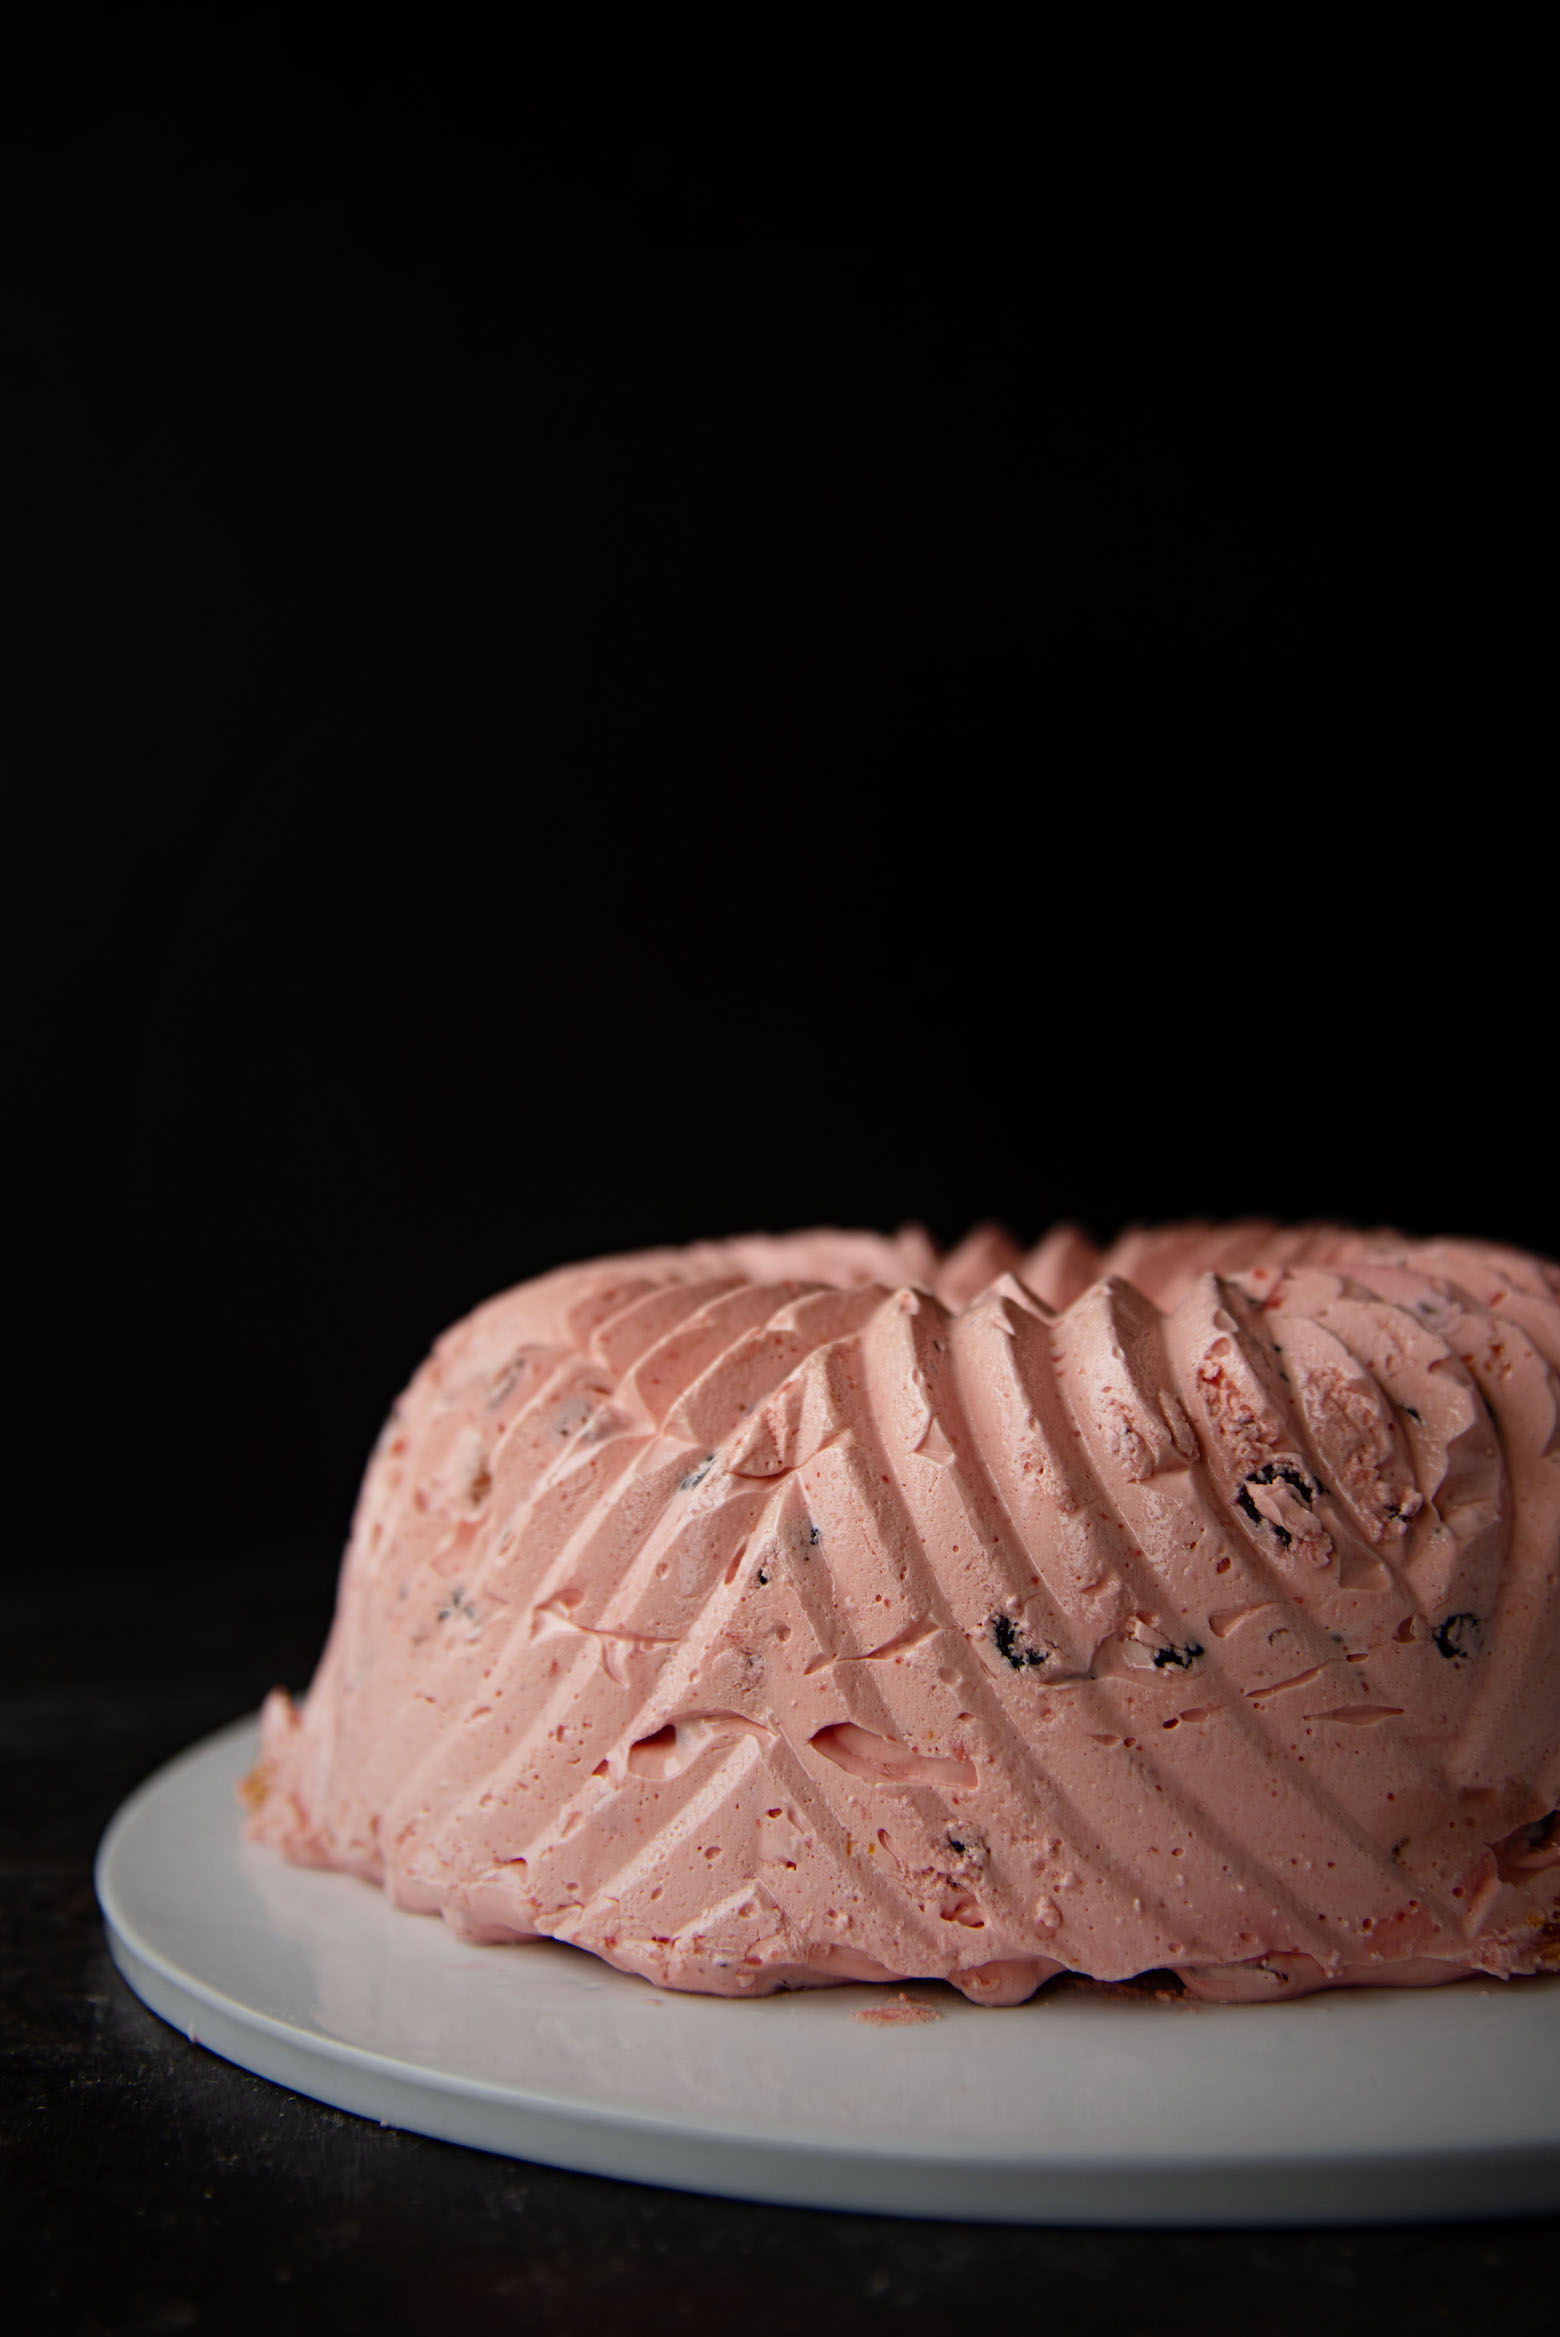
(786, 1611)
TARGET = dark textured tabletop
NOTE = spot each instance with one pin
(150, 2186)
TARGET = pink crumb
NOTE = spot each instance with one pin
(898, 2013)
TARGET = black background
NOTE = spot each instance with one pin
(583, 683)
(576, 688)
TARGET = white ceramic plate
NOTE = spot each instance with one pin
(1074, 2108)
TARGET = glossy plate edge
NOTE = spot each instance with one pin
(1209, 2191)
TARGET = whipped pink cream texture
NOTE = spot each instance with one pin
(793, 1610)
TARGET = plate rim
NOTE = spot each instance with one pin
(1500, 2177)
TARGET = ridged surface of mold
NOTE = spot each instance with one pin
(803, 1609)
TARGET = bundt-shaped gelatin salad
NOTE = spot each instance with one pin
(786, 1611)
